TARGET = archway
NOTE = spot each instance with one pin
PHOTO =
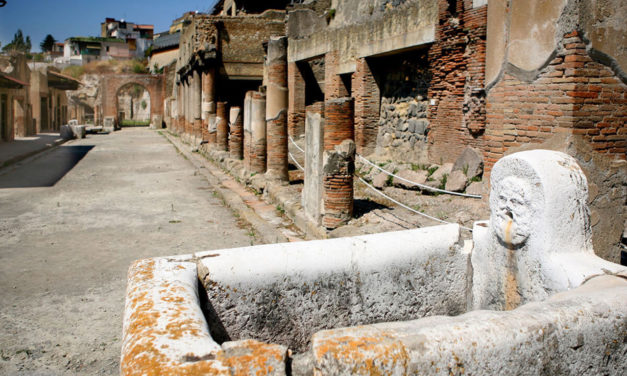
(112, 83)
(133, 105)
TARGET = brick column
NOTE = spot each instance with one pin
(338, 162)
(367, 102)
(196, 105)
(222, 127)
(276, 108)
(296, 101)
(236, 136)
(208, 100)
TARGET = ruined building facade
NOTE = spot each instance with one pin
(412, 81)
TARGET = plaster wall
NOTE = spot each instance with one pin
(361, 34)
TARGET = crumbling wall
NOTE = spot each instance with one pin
(457, 98)
(562, 94)
(403, 125)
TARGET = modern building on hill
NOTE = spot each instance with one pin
(83, 50)
(138, 37)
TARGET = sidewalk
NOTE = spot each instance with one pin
(24, 147)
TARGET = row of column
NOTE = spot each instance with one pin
(258, 134)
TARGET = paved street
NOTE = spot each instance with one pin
(71, 222)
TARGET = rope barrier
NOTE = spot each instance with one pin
(408, 208)
(296, 162)
(418, 184)
(294, 143)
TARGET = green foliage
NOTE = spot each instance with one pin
(38, 57)
(144, 105)
(75, 71)
(156, 69)
(443, 181)
(139, 67)
(390, 180)
(18, 44)
(280, 209)
(48, 43)
(134, 123)
(432, 170)
(465, 169)
(475, 179)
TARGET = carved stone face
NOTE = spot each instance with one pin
(512, 214)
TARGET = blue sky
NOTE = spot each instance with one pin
(68, 18)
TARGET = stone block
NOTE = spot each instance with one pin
(283, 293)
(470, 161)
(72, 122)
(78, 130)
(156, 122)
(419, 177)
(418, 126)
(476, 188)
(66, 132)
(456, 181)
(109, 124)
(380, 180)
(445, 169)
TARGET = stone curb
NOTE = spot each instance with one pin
(22, 157)
(214, 176)
(274, 193)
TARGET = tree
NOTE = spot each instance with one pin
(48, 43)
(18, 44)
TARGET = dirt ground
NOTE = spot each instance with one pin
(71, 222)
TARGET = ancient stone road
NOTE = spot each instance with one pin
(71, 222)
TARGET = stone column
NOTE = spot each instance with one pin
(222, 127)
(236, 136)
(212, 130)
(248, 135)
(196, 106)
(258, 133)
(179, 107)
(338, 162)
(208, 97)
(312, 189)
(186, 106)
(276, 109)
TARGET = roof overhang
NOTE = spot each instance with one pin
(10, 82)
(62, 82)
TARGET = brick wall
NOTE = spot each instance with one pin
(334, 87)
(573, 95)
(457, 62)
(296, 100)
(367, 99)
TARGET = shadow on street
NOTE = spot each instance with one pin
(47, 170)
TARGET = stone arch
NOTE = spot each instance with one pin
(112, 83)
(132, 86)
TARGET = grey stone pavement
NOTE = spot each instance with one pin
(72, 219)
(23, 147)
